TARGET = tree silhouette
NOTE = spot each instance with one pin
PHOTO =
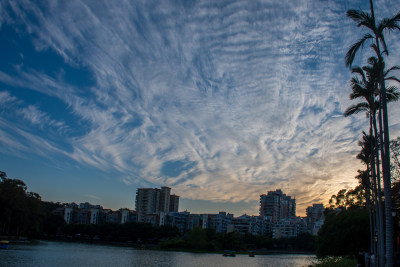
(379, 46)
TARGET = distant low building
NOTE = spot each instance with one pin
(94, 216)
(86, 213)
(68, 215)
(250, 224)
(124, 215)
(219, 222)
(289, 227)
(179, 219)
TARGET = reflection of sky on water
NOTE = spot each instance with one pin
(76, 254)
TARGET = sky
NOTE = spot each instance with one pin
(220, 100)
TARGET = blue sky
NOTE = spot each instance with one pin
(220, 100)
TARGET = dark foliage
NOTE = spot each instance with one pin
(344, 232)
(51, 224)
(208, 240)
(131, 232)
(20, 210)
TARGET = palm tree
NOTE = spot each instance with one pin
(377, 37)
(365, 85)
(364, 177)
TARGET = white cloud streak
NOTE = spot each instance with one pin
(249, 91)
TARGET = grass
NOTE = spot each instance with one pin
(335, 262)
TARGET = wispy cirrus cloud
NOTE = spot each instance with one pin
(221, 100)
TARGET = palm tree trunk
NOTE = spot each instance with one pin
(369, 208)
(381, 237)
(370, 189)
(376, 203)
(387, 178)
(386, 155)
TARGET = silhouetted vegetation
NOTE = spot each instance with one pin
(348, 220)
(131, 232)
(208, 240)
(20, 210)
(371, 84)
(344, 232)
(336, 262)
(52, 224)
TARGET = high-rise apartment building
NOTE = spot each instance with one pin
(315, 218)
(173, 203)
(147, 202)
(276, 206)
(154, 201)
(165, 194)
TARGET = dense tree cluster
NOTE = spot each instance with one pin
(346, 230)
(209, 240)
(344, 233)
(20, 210)
(131, 232)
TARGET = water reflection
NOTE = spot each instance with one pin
(61, 254)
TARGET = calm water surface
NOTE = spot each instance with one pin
(59, 254)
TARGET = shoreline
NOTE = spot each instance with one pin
(155, 247)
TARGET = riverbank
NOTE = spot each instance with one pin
(244, 252)
(335, 262)
(51, 253)
(141, 246)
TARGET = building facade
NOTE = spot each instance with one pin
(86, 213)
(147, 202)
(173, 203)
(276, 206)
(315, 218)
(155, 201)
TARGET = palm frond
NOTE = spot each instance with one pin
(375, 48)
(392, 78)
(392, 68)
(355, 82)
(389, 24)
(373, 61)
(370, 72)
(381, 38)
(357, 89)
(354, 48)
(358, 94)
(359, 71)
(361, 18)
(392, 95)
(355, 109)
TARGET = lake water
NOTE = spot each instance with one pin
(60, 254)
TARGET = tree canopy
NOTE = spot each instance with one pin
(344, 232)
(20, 210)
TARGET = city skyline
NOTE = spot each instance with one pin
(222, 101)
(154, 203)
(156, 207)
